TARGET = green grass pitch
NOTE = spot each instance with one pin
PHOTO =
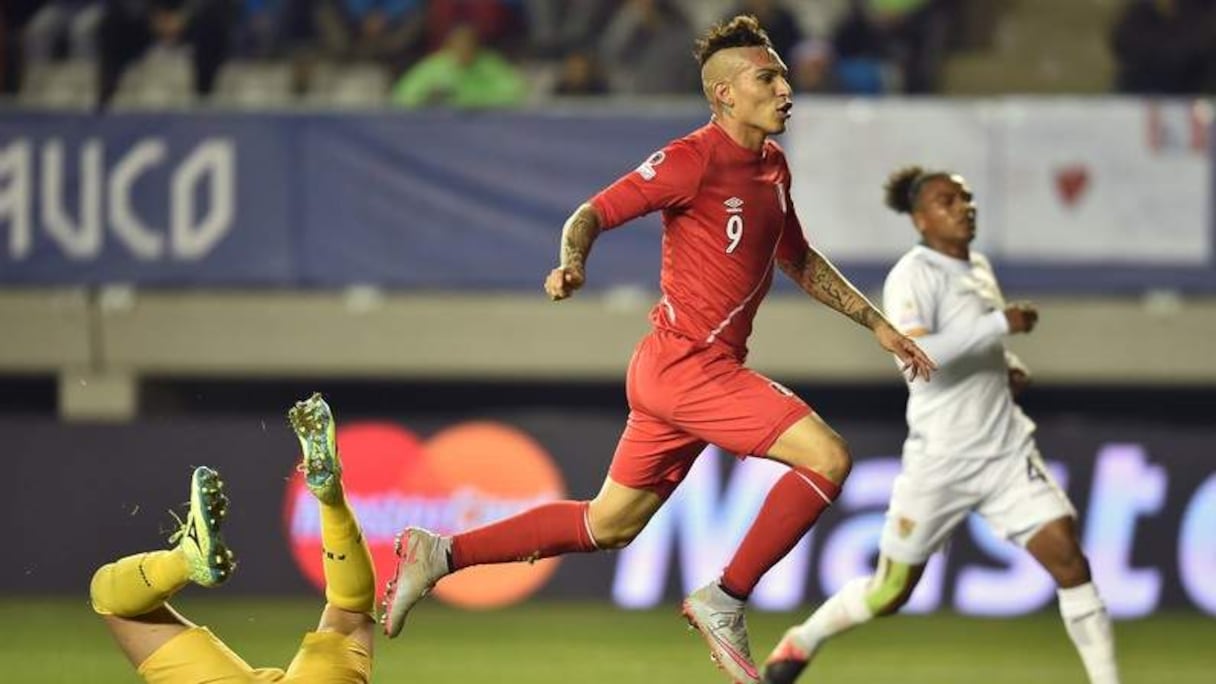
(57, 640)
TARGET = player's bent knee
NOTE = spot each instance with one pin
(1072, 570)
(1058, 549)
(813, 444)
(843, 459)
(834, 462)
(830, 458)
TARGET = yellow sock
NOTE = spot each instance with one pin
(350, 577)
(138, 584)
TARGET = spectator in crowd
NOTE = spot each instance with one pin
(386, 31)
(257, 29)
(130, 27)
(1166, 47)
(891, 45)
(274, 28)
(499, 24)
(581, 75)
(70, 24)
(555, 27)
(813, 67)
(462, 74)
(776, 19)
(646, 42)
(290, 30)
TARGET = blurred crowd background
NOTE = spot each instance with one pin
(502, 53)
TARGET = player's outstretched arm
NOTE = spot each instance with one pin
(579, 233)
(820, 279)
(955, 343)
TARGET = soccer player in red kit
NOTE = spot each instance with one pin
(724, 191)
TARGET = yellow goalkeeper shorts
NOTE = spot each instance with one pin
(196, 655)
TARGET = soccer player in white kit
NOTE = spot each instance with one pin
(969, 446)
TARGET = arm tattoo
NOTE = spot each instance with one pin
(820, 279)
(579, 233)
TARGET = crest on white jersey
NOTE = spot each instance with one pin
(781, 197)
(646, 169)
(734, 205)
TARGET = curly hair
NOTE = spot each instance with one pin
(741, 31)
(903, 187)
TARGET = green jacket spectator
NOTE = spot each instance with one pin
(461, 74)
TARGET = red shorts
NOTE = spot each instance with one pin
(683, 396)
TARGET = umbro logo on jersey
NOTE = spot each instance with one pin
(734, 205)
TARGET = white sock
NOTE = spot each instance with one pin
(1089, 627)
(843, 611)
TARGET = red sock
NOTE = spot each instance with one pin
(789, 510)
(547, 530)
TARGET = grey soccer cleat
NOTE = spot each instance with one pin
(422, 560)
(720, 619)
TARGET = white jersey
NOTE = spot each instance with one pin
(966, 410)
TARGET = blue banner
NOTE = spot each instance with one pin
(431, 200)
(457, 201)
(146, 199)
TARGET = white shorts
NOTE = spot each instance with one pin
(1015, 494)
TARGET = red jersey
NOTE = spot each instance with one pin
(726, 215)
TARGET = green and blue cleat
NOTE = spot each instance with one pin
(313, 422)
(211, 562)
